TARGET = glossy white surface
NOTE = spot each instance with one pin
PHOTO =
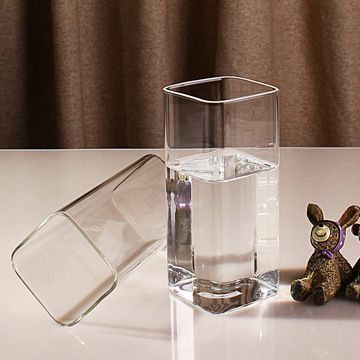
(139, 320)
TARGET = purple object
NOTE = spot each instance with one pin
(342, 235)
(339, 245)
(327, 253)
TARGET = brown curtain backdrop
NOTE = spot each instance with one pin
(89, 73)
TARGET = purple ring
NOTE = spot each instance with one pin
(330, 253)
(342, 235)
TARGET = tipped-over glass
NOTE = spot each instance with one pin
(74, 258)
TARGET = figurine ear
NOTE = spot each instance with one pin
(350, 216)
(314, 213)
(355, 229)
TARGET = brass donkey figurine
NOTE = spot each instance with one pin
(327, 270)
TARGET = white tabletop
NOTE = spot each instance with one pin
(139, 320)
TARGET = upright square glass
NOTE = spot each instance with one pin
(222, 157)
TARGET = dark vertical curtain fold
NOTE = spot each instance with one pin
(89, 73)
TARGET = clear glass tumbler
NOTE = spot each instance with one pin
(75, 257)
(222, 157)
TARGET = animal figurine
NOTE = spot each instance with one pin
(353, 289)
(327, 270)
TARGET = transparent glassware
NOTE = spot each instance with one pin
(74, 258)
(222, 157)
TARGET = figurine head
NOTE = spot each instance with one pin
(327, 236)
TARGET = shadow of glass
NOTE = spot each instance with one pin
(61, 341)
(137, 308)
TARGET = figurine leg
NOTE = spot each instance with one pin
(353, 289)
(301, 288)
(324, 292)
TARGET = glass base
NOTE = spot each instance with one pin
(219, 298)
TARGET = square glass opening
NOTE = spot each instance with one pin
(221, 89)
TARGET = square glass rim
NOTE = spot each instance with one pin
(171, 89)
(111, 269)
